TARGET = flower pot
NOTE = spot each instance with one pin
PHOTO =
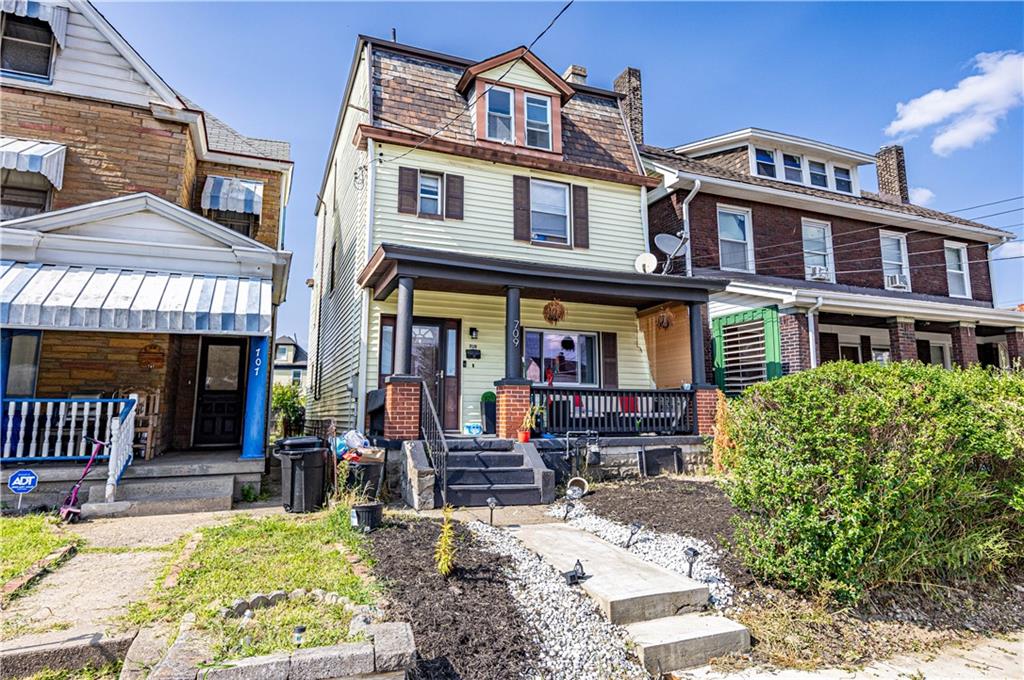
(524, 436)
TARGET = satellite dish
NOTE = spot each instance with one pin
(645, 263)
(670, 244)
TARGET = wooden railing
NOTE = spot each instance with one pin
(434, 441)
(613, 411)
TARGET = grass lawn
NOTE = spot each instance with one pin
(26, 540)
(251, 556)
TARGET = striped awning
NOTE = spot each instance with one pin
(54, 15)
(29, 155)
(61, 297)
(233, 194)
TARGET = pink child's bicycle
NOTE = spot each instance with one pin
(71, 508)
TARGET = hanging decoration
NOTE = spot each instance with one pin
(568, 343)
(665, 318)
(554, 312)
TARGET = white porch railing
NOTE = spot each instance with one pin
(55, 430)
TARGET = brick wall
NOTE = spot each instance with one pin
(402, 408)
(828, 347)
(965, 345)
(778, 251)
(112, 150)
(794, 343)
(1015, 345)
(270, 218)
(513, 401)
(707, 406)
(902, 340)
(186, 352)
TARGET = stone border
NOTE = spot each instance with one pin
(40, 567)
(261, 601)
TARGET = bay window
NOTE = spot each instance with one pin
(957, 273)
(538, 122)
(549, 212)
(500, 127)
(561, 358)
(735, 246)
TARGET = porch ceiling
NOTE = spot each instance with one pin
(460, 273)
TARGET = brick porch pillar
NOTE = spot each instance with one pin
(402, 407)
(794, 342)
(965, 345)
(1015, 345)
(513, 401)
(902, 339)
(707, 406)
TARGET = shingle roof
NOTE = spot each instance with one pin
(222, 137)
(866, 199)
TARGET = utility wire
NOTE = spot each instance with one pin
(931, 264)
(985, 205)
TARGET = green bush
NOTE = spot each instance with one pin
(287, 403)
(854, 476)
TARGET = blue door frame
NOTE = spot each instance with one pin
(257, 385)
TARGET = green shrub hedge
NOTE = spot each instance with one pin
(854, 476)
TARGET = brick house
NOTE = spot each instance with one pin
(437, 255)
(820, 269)
(142, 262)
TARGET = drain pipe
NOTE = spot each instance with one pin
(812, 330)
(686, 226)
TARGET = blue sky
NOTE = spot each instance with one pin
(831, 71)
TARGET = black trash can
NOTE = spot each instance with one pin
(366, 478)
(303, 473)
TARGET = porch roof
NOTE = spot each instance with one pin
(61, 297)
(461, 273)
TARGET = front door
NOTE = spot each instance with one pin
(220, 394)
(435, 358)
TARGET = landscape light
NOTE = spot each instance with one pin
(568, 509)
(298, 635)
(691, 555)
(575, 575)
(634, 529)
(492, 503)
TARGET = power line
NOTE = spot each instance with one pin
(995, 214)
(931, 264)
(985, 205)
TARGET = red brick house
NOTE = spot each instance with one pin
(142, 262)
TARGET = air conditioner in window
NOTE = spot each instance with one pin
(818, 273)
(896, 281)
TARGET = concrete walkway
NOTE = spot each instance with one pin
(513, 515)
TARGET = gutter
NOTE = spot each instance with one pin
(812, 330)
(364, 322)
(686, 227)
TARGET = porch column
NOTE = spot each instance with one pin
(867, 353)
(965, 344)
(513, 336)
(902, 339)
(254, 444)
(403, 327)
(696, 310)
(1015, 345)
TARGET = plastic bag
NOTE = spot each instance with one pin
(355, 439)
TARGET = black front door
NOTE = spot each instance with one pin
(220, 395)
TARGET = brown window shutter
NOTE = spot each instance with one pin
(453, 185)
(408, 179)
(609, 360)
(580, 217)
(521, 208)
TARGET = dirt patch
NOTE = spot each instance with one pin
(466, 626)
(672, 505)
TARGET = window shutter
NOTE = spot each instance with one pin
(609, 361)
(521, 208)
(408, 178)
(453, 185)
(580, 217)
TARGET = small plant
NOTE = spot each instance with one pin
(530, 418)
(249, 494)
(723, 446)
(287, 404)
(444, 552)
(488, 397)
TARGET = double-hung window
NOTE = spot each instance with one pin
(895, 262)
(429, 194)
(24, 363)
(818, 174)
(500, 127)
(22, 194)
(765, 160)
(817, 237)
(27, 47)
(958, 275)
(282, 352)
(549, 212)
(735, 245)
(844, 180)
(561, 358)
(792, 166)
(538, 122)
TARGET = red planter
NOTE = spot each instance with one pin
(524, 436)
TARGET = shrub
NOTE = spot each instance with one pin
(856, 476)
(287, 404)
(444, 551)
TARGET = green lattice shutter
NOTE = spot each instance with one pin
(747, 349)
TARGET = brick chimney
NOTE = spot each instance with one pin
(628, 83)
(892, 174)
(575, 74)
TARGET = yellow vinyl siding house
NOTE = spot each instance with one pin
(437, 254)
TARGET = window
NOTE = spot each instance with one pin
(549, 212)
(561, 358)
(844, 181)
(430, 194)
(296, 376)
(387, 347)
(850, 353)
(880, 355)
(282, 352)
(24, 358)
(818, 251)
(244, 223)
(818, 174)
(895, 266)
(937, 355)
(765, 162)
(735, 246)
(499, 115)
(538, 122)
(793, 167)
(958, 276)
(22, 194)
(27, 47)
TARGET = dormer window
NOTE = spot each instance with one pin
(844, 181)
(818, 174)
(538, 122)
(27, 47)
(500, 126)
(792, 167)
(765, 162)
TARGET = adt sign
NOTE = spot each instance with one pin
(22, 481)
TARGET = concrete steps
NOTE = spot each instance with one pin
(498, 472)
(484, 459)
(659, 608)
(497, 475)
(169, 496)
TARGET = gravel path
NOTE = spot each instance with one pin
(576, 641)
(665, 550)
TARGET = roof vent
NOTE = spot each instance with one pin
(575, 74)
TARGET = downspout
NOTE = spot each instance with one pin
(364, 324)
(686, 227)
(812, 330)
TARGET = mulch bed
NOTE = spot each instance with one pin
(466, 626)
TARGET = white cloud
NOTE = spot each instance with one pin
(970, 112)
(921, 195)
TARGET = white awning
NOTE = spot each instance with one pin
(233, 194)
(29, 155)
(62, 297)
(54, 15)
